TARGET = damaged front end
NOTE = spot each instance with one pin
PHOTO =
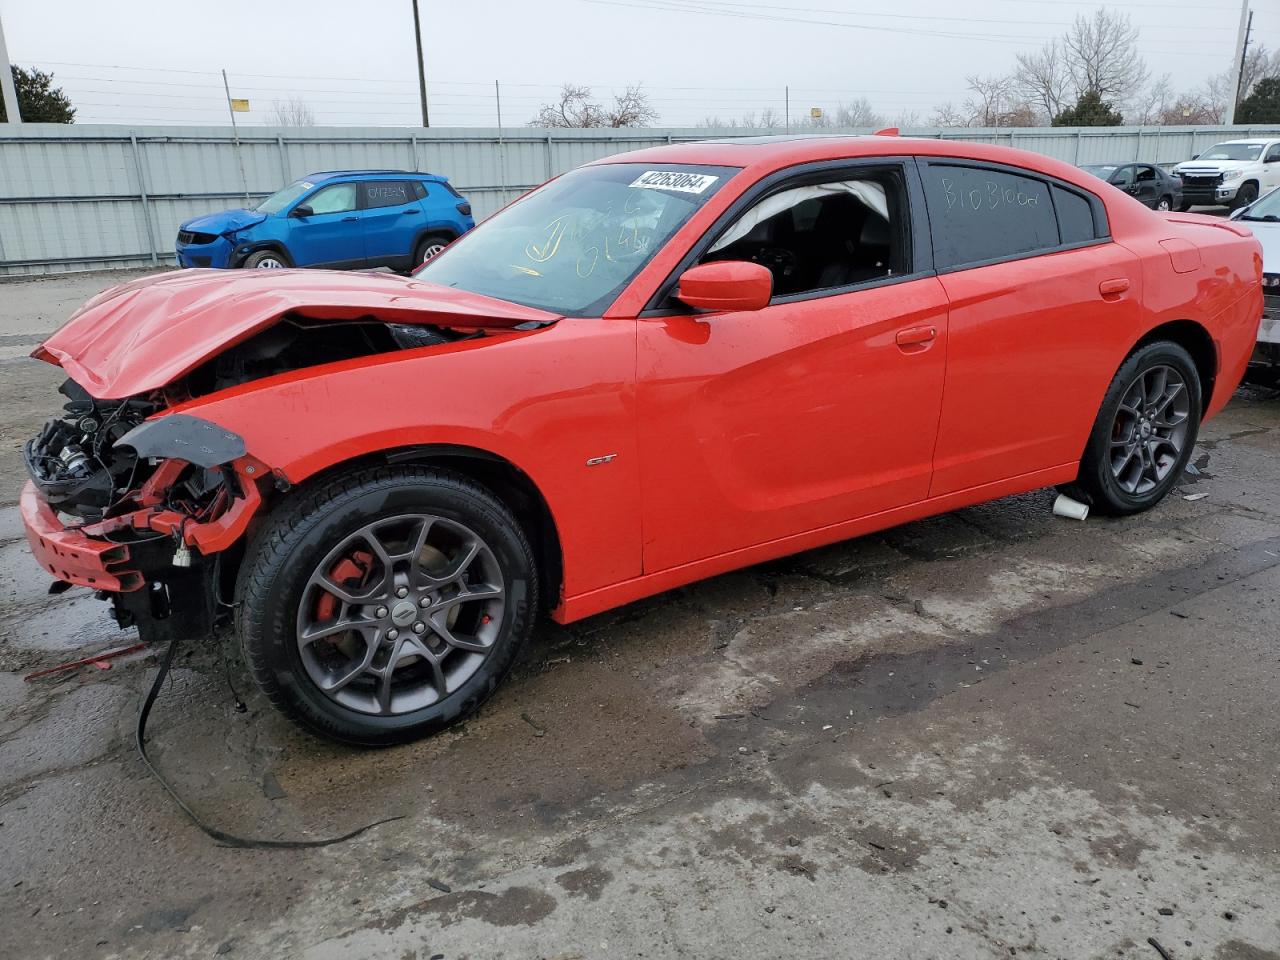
(139, 510)
(133, 493)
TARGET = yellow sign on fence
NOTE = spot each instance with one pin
(239, 106)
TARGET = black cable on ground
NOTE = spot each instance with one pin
(223, 838)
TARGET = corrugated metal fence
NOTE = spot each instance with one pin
(88, 197)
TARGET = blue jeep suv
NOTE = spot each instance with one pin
(343, 219)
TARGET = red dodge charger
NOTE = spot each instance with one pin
(655, 368)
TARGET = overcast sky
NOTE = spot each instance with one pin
(152, 62)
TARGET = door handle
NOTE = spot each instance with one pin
(408, 213)
(1113, 288)
(350, 219)
(915, 336)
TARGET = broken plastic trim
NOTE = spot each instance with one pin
(180, 436)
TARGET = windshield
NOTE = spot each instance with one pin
(282, 198)
(1268, 208)
(573, 244)
(1232, 151)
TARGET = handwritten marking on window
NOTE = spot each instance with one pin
(989, 196)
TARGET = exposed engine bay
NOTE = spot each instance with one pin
(168, 494)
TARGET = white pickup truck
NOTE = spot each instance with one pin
(1233, 173)
(1263, 218)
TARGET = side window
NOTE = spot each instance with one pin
(339, 198)
(385, 193)
(1145, 174)
(1075, 216)
(1122, 177)
(1273, 153)
(419, 190)
(980, 214)
(820, 236)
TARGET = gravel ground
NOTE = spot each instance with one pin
(989, 734)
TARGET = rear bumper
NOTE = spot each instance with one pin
(69, 554)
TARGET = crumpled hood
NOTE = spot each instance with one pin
(224, 221)
(145, 334)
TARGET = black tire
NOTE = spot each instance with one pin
(1244, 196)
(273, 581)
(266, 259)
(1096, 483)
(1183, 206)
(429, 246)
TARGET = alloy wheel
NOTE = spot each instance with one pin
(400, 614)
(1150, 429)
(270, 263)
(431, 250)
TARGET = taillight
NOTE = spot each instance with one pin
(464, 209)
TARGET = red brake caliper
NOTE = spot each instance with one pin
(354, 568)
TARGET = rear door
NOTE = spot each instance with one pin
(820, 408)
(392, 218)
(329, 235)
(1043, 307)
(1147, 184)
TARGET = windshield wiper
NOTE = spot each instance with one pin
(1269, 218)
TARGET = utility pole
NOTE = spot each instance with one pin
(422, 67)
(1237, 68)
(235, 136)
(11, 110)
(1244, 56)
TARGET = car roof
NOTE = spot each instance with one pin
(322, 175)
(1249, 140)
(763, 155)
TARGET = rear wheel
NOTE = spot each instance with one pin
(1164, 203)
(430, 246)
(387, 604)
(1144, 433)
(266, 260)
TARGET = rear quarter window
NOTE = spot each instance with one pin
(1075, 216)
(979, 214)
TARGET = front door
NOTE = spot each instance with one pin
(820, 408)
(330, 234)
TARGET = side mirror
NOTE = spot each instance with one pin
(1195, 156)
(726, 285)
(302, 210)
(1272, 159)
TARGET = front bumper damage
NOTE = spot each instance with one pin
(152, 553)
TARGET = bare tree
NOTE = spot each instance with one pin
(1044, 79)
(294, 112)
(576, 108)
(1101, 54)
(949, 115)
(996, 103)
(1156, 103)
(1259, 64)
(631, 108)
(858, 113)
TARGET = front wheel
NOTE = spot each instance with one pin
(386, 604)
(1183, 206)
(1144, 432)
(1245, 196)
(265, 260)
